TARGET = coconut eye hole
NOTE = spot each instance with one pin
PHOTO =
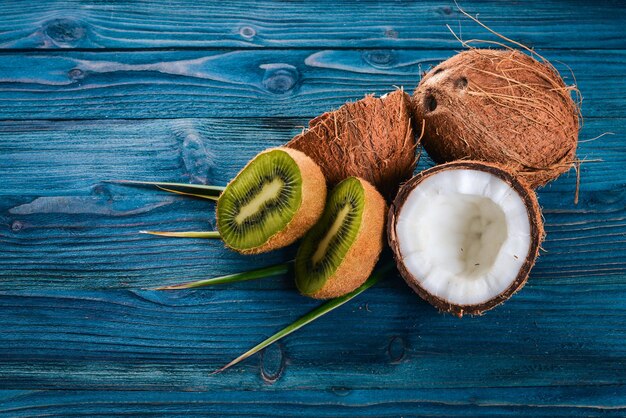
(461, 83)
(430, 103)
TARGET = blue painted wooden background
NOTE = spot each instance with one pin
(188, 91)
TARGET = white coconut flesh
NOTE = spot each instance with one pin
(463, 235)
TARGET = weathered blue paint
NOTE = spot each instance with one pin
(247, 83)
(188, 92)
(93, 24)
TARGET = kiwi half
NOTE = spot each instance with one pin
(273, 201)
(337, 255)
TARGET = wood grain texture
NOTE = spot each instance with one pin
(74, 231)
(190, 91)
(247, 83)
(327, 23)
(560, 401)
(149, 340)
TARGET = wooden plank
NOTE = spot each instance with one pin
(247, 83)
(66, 229)
(147, 340)
(80, 339)
(557, 401)
(77, 155)
(183, 23)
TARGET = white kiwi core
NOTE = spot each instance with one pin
(463, 235)
(269, 191)
(320, 252)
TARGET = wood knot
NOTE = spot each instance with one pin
(17, 226)
(391, 33)
(379, 58)
(197, 157)
(101, 190)
(446, 10)
(247, 32)
(280, 78)
(76, 74)
(396, 349)
(341, 390)
(272, 362)
(64, 32)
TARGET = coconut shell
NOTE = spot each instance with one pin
(365, 251)
(499, 106)
(536, 235)
(311, 206)
(371, 139)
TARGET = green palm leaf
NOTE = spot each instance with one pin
(235, 277)
(184, 234)
(197, 190)
(311, 316)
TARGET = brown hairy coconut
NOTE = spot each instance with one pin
(465, 235)
(371, 138)
(499, 106)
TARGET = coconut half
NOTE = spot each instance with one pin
(371, 138)
(465, 235)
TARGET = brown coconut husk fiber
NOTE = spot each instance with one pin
(502, 106)
(499, 106)
(372, 139)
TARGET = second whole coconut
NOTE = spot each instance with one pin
(502, 107)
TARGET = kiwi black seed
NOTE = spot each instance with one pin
(273, 201)
(337, 255)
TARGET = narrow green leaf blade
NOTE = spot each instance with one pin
(185, 234)
(213, 198)
(236, 277)
(198, 190)
(311, 316)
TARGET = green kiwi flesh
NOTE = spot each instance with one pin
(325, 246)
(261, 201)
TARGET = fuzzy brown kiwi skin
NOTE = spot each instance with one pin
(536, 235)
(499, 106)
(311, 206)
(365, 251)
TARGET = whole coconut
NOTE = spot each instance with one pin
(499, 106)
(371, 138)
